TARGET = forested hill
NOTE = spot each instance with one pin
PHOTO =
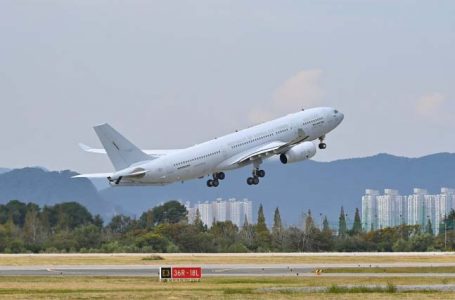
(46, 188)
(69, 227)
(320, 186)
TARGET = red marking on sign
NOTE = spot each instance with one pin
(186, 273)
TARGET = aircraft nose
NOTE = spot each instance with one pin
(335, 117)
(341, 117)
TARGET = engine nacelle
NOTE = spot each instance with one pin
(299, 152)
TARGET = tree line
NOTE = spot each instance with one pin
(70, 227)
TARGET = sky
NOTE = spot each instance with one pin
(170, 74)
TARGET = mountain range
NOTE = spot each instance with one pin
(47, 188)
(322, 187)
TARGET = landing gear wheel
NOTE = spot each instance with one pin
(322, 146)
(221, 176)
(210, 183)
(260, 173)
(215, 183)
(250, 180)
(255, 180)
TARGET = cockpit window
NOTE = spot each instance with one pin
(335, 111)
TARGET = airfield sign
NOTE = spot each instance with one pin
(185, 273)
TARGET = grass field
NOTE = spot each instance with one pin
(95, 287)
(170, 259)
(210, 288)
(392, 270)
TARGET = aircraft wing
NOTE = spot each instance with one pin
(261, 152)
(153, 153)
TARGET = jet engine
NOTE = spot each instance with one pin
(299, 152)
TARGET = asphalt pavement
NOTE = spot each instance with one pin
(220, 270)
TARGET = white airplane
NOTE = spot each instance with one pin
(290, 137)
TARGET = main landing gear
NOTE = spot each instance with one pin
(115, 181)
(322, 145)
(256, 175)
(216, 179)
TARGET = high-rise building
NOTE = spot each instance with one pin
(206, 212)
(416, 207)
(431, 208)
(444, 205)
(220, 210)
(369, 210)
(447, 199)
(191, 212)
(391, 209)
(239, 210)
(247, 212)
(235, 209)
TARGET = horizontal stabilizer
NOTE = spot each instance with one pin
(128, 174)
(95, 175)
(91, 150)
(153, 153)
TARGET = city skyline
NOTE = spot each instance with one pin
(219, 210)
(376, 211)
(392, 209)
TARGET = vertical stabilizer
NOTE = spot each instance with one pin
(121, 152)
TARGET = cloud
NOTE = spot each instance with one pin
(300, 91)
(431, 105)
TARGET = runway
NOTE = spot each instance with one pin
(305, 270)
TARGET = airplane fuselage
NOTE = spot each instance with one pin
(225, 153)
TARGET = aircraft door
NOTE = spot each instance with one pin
(225, 151)
(299, 130)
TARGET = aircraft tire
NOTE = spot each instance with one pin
(322, 146)
(261, 173)
(249, 180)
(255, 180)
(221, 176)
(210, 183)
(215, 183)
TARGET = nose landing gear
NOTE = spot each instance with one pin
(322, 145)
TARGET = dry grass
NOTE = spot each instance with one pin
(392, 270)
(215, 295)
(169, 259)
(73, 287)
(306, 259)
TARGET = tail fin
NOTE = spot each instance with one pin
(121, 152)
